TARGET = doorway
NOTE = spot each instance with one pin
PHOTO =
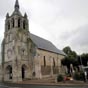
(9, 71)
(23, 71)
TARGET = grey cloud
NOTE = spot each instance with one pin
(77, 39)
(81, 36)
(52, 16)
(6, 6)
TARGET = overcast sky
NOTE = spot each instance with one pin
(63, 22)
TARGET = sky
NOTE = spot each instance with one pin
(63, 22)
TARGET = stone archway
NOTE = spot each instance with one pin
(9, 72)
(23, 70)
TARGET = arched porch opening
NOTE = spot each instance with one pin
(9, 71)
(23, 70)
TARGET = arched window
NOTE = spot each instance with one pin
(8, 25)
(19, 22)
(24, 24)
(12, 22)
(44, 61)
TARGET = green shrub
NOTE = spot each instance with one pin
(79, 76)
(60, 78)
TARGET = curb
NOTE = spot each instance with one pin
(55, 84)
(50, 84)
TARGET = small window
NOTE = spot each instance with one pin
(24, 24)
(44, 61)
(19, 22)
(23, 52)
(12, 22)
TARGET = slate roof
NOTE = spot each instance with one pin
(45, 44)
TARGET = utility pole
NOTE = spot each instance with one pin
(81, 63)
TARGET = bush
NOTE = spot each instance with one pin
(60, 78)
(79, 76)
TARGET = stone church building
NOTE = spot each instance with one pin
(24, 55)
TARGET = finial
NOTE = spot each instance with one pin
(16, 5)
(25, 15)
(7, 15)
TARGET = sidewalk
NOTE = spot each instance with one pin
(53, 83)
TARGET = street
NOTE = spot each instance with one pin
(38, 86)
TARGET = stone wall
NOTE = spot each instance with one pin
(49, 69)
(55, 70)
(46, 70)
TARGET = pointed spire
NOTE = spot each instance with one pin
(25, 15)
(16, 5)
(7, 15)
(16, 9)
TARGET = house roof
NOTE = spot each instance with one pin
(45, 44)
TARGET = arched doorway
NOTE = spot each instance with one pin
(9, 71)
(23, 69)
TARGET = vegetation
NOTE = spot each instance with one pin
(73, 59)
(79, 76)
(84, 58)
(60, 78)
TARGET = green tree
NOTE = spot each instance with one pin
(71, 58)
(84, 58)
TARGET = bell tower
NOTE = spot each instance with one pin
(15, 46)
(16, 20)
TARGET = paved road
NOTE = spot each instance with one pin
(36, 86)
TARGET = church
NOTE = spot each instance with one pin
(24, 55)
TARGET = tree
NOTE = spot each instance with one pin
(84, 58)
(71, 58)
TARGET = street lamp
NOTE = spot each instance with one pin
(81, 62)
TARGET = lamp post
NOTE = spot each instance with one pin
(81, 63)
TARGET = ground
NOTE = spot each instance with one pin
(45, 83)
(40, 86)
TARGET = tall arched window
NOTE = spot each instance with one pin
(8, 25)
(12, 22)
(24, 24)
(19, 22)
(44, 61)
(53, 62)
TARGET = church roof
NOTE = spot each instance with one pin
(45, 44)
